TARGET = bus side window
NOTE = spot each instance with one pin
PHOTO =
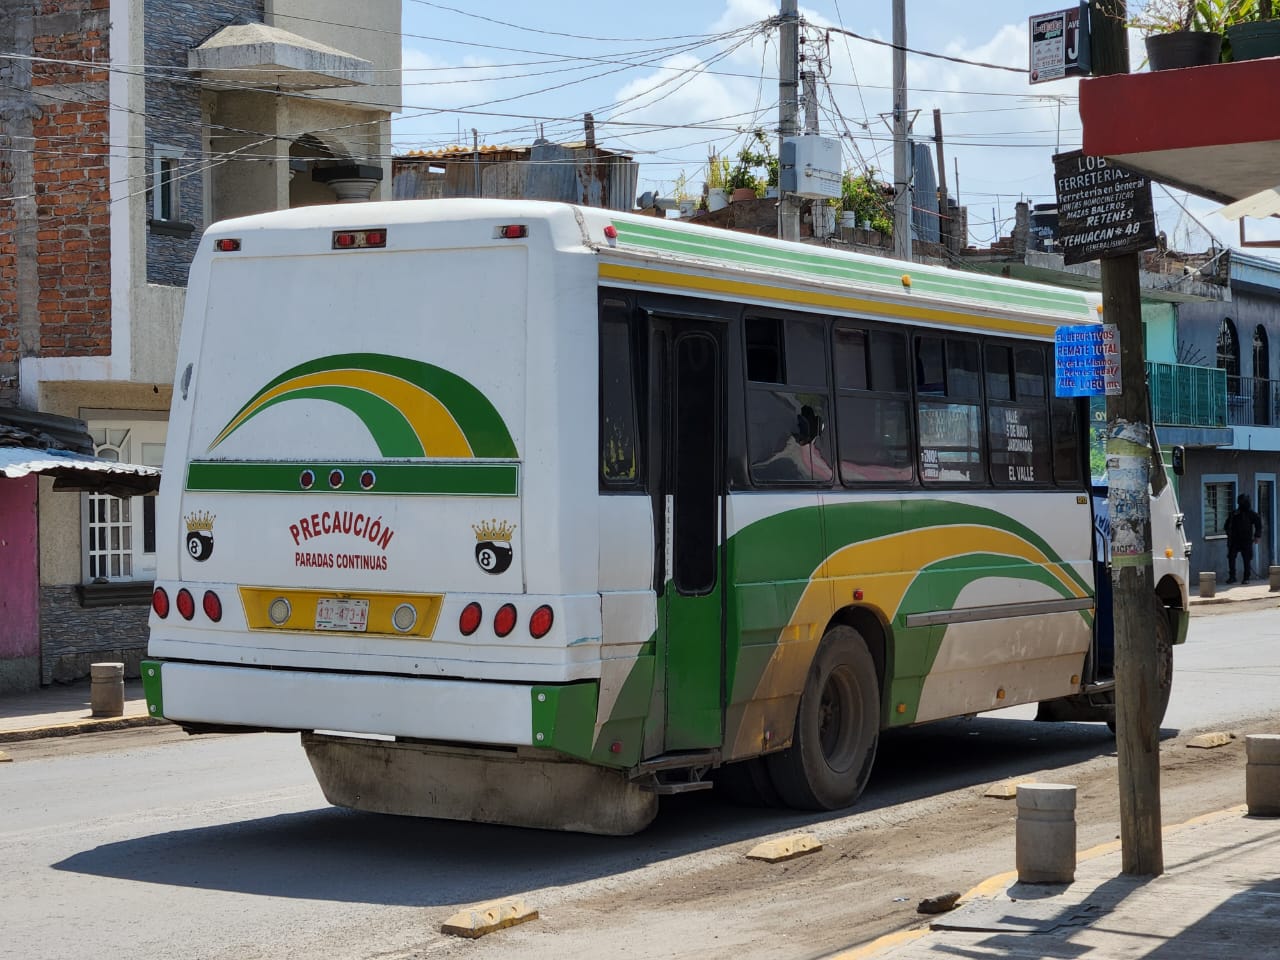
(619, 445)
(788, 403)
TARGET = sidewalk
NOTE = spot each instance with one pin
(1254, 590)
(1218, 897)
(62, 709)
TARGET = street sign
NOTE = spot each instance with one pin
(1103, 209)
(1086, 361)
(1060, 44)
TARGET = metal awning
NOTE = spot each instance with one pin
(78, 471)
(1265, 203)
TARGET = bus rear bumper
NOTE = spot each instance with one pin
(465, 711)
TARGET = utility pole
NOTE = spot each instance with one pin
(945, 226)
(788, 109)
(901, 184)
(1128, 469)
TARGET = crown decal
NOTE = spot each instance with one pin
(200, 520)
(493, 530)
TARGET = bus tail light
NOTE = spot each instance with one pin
(540, 622)
(359, 239)
(186, 604)
(160, 602)
(212, 606)
(469, 619)
(504, 621)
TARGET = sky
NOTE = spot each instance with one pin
(670, 80)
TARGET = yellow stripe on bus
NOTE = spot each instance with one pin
(430, 420)
(760, 291)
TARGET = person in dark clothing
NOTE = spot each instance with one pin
(1243, 529)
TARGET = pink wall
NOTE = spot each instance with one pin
(19, 570)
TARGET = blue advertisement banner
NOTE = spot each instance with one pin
(1087, 361)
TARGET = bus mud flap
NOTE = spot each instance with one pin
(482, 786)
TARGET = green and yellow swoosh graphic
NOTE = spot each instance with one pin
(410, 408)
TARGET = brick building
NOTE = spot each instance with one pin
(126, 126)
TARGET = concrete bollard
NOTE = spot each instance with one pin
(106, 689)
(1046, 833)
(1208, 584)
(1262, 774)
(1273, 578)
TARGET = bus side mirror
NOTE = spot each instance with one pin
(1179, 460)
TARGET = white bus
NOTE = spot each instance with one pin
(529, 513)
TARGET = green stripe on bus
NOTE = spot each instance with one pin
(466, 479)
(824, 267)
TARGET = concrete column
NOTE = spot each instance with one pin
(106, 690)
(1046, 833)
(1208, 584)
(1262, 774)
(1273, 578)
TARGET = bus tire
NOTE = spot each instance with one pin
(1164, 663)
(837, 727)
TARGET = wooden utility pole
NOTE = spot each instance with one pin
(944, 205)
(901, 161)
(788, 108)
(1129, 468)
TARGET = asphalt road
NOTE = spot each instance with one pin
(149, 844)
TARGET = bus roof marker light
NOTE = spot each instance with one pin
(227, 245)
(611, 235)
(906, 280)
(513, 231)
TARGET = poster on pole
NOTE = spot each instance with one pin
(1086, 361)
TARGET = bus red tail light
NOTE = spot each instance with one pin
(469, 619)
(540, 622)
(160, 602)
(504, 621)
(212, 606)
(359, 239)
(186, 604)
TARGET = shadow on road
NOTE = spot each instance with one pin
(345, 856)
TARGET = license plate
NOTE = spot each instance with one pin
(341, 614)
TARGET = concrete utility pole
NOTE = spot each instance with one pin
(788, 109)
(901, 168)
(1128, 469)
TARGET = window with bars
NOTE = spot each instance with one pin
(119, 532)
(1219, 497)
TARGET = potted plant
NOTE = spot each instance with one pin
(1255, 34)
(862, 201)
(1185, 33)
(718, 169)
(755, 171)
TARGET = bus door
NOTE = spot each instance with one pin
(687, 420)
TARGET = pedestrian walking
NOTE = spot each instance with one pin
(1243, 529)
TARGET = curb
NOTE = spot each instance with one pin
(994, 886)
(95, 725)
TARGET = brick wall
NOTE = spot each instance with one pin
(174, 114)
(70, 178)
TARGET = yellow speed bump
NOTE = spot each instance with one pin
(785, 848)
(1207, 741)
(474, 922)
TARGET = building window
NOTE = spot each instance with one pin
(1219, 498)
(119, 532)
(166, 179)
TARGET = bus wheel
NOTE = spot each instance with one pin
(837, 727)
(1164, 663)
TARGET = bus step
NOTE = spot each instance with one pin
(676, 772)
(1102, 686)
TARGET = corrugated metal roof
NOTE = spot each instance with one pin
(76, 471)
